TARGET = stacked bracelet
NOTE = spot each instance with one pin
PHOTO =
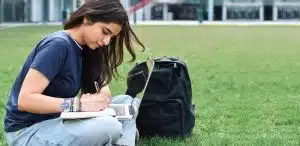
(70, 105)
(76, 104)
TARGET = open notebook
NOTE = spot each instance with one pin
(120, 111)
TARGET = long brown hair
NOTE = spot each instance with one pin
(101, 64)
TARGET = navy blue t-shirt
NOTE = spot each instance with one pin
(59, 59)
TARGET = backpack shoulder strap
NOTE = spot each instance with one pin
(170, 59)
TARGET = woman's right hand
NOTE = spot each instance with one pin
(93, 102)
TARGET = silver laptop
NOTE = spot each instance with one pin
(123, 112)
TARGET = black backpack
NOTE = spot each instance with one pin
(166, 109)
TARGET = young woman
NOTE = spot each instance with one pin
(89, 49)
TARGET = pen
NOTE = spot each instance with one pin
(97, 86)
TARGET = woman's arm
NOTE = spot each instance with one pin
(31, 98)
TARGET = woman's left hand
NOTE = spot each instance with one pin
(105, 91)
(94, 102)
(100, 100)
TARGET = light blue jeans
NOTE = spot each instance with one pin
(87, 132)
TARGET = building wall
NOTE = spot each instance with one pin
(55, 10)
(36, 10)
(51, 10)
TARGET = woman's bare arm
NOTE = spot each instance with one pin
(31, 98)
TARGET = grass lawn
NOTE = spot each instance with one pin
(245, 80)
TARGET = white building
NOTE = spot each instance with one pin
(210, 10)
(35, 10)
(52, 10)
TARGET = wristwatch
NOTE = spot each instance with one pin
(67, 105)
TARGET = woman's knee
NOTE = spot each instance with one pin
(97, 129)
(124, 99)
(111, 127)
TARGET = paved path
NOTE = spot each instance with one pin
(9, 25)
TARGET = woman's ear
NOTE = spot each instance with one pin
(86, 20)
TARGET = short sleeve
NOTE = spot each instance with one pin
(50, 57)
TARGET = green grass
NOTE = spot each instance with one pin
(245, 80)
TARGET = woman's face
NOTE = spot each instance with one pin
(99, 34)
